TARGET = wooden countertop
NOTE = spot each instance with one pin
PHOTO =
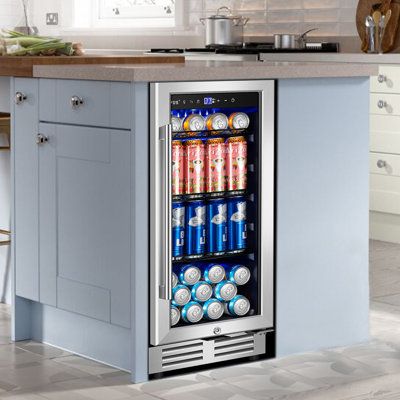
(23, 66)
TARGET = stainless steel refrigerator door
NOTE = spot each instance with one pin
(160, 212)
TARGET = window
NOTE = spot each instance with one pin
(126, 13)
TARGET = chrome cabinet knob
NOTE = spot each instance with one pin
(382, 104)
(19, 97)
(76, 101)
(40, 139)
(382, 78)
(381, 164)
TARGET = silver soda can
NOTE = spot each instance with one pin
(239, 120)
(175, 315)
(238, 306)
(174, 280)
(239, 274)
(190, 275)
(213, 309)
(217, 122)
(214, 273)
(180, 295)
(192, 312)
(225, 291)
(201, 291)
(176, 124)
(194, 122)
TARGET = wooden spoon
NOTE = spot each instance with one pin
(376, 16)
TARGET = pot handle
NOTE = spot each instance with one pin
(202, 20)
(241, 21)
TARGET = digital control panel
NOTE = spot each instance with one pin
(213, 100)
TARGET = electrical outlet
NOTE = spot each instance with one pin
(52, 19)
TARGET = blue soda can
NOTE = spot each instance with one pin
(237, 226)
(217, 227)
(190, 275)
(225, 291)
(202, 291)
(214, 273)
(178, 229)
(175, 315)
(238, 306)
(213, 309)
(181, 295)
(192, 312)
(195, 227)
(238, 274)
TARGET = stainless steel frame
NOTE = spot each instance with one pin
(160, 213)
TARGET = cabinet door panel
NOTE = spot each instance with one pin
(92, 201)
(25, 128)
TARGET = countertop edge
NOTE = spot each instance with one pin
(206, 71)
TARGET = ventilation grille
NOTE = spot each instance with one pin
(199, 352)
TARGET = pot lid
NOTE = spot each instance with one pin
(227, 15)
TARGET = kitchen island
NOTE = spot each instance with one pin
(81, 173)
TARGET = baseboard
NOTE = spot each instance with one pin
(384, 227)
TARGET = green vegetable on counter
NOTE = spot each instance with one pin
(14, 43)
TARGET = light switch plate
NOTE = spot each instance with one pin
(52, 19)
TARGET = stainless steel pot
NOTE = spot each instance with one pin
(224, 29)
(291, 41)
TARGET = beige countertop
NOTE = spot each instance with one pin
(205, 70)
(392, 58)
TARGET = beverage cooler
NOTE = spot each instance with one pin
(212, 223)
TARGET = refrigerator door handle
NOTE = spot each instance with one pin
(165, 137)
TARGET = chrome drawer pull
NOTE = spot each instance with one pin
(381, 164)
(382, 78)
(40, 139)
(76, 101)
(382, 104)
(19, 97)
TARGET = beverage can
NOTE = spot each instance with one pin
(178, 167)
(215, 165)
(239, 274)
(217, 122)
(236, 163)
(192, 312)
(201, 291)
(213, 309)
(237, 223)
(194, 122)
(239, 120)
(178, 229)
(190, 275)
(194, 167)
(195, 227)
(176, 123)
(214, 273)
(180, 295)
(238, 306)
(175, 315)
(174, 280)
(217, 227)
(225, 290)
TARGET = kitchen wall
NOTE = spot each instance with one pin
(10, 13)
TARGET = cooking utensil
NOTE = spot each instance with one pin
(291, 41)
(224, 28)
(376, 16)
(370, 24)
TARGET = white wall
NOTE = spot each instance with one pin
(10, 13)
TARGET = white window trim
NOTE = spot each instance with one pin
(125, 27)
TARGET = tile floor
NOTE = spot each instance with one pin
(32, 371)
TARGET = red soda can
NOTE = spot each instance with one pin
(236, 163)
(195, 167)
(178, 168)
(215, 165)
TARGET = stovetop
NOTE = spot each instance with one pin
(254, 48)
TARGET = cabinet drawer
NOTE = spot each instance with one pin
(105, 104)
(385, 104)
(385, 133)
(384, 164)
(385, 193)
(388, 80)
